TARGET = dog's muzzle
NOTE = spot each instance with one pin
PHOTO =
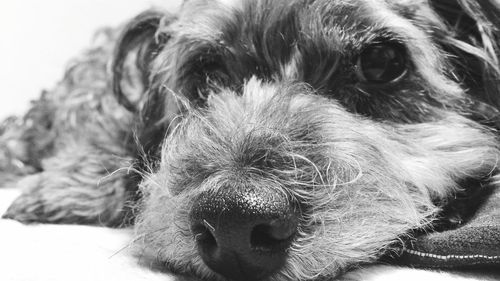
(243, 233)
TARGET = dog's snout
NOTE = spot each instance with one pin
(244, 234)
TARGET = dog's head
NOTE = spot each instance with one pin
(299, 138)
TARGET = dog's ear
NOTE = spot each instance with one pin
(136, 48)
(141, 42)
(473, 42)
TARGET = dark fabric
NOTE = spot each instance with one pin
(475, 244)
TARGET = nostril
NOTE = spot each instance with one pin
(204, 238)
(273, 237)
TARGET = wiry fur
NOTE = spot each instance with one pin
(336, 179)
(266, 92)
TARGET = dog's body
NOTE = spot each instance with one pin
(271, 140)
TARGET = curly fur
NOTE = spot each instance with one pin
(75, 139)
(264, 94)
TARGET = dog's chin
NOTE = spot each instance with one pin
(189, 270)
(202, 272)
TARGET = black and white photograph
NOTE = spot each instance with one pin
(250, 140)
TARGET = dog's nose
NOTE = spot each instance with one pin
(243, 234)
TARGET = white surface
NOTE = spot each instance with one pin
(66, 252)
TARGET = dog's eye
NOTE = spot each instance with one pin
(382, 63)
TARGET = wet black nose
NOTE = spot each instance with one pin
(243, 234)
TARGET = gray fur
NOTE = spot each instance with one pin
(268, 93)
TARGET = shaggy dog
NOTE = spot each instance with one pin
(268, 140)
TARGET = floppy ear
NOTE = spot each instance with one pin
(137, 46)
(473, 42)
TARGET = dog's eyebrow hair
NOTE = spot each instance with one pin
(232, 3)
(203, 26)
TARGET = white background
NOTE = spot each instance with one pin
(38, 37)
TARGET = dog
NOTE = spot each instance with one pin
(268, 140)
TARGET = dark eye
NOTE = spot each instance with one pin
(382, 63)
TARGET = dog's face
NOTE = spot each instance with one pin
(305, 137)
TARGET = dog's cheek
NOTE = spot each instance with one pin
(357, 218)
(364, 202)
(442, 154)
(402, 175)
